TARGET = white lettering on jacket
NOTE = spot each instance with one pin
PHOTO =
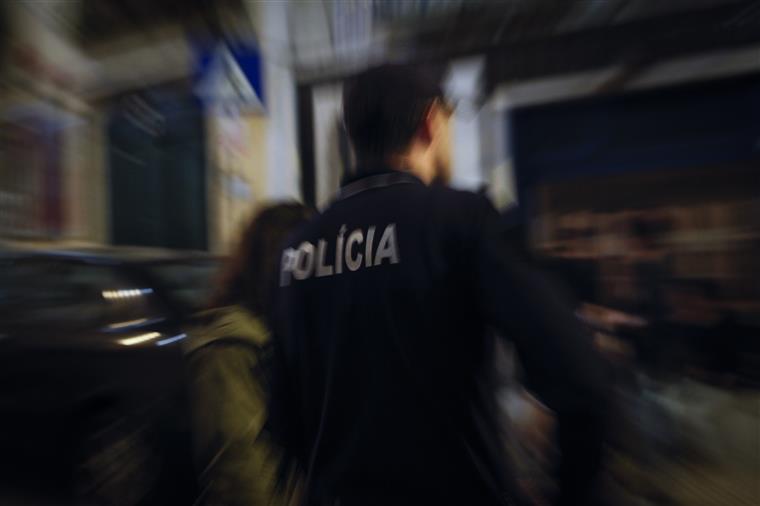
(354, 251)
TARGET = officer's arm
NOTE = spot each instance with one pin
(562, 366)
(283, 422)
(556, 350)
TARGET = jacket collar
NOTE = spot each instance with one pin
(369, 179)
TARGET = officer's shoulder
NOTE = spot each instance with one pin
(461, 204)
(305, 232)
(464, 197)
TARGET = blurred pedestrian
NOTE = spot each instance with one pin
(381, 392)
(228, 368)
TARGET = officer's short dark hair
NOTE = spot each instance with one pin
(384, 106)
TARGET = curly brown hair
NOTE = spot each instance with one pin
(250, 273)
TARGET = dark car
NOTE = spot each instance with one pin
(91, 372)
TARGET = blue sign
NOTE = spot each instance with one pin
(230, 71)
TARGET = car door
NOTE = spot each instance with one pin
(72, 331)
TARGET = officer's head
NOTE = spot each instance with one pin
(397, 115)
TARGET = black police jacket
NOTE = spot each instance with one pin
(380, 391)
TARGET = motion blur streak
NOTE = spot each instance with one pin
(140, 339)
(170, 340)
(125, 294)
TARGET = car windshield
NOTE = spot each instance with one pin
(188, 282)
(67, 294)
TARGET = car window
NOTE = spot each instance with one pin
(188, 282)
(69, 294)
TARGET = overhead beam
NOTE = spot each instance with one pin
(632, 44)
(524, 55)
(625, 75)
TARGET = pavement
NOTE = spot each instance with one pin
(704, 442)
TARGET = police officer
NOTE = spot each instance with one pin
(381, 393)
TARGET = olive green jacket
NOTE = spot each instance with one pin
(226, 360)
